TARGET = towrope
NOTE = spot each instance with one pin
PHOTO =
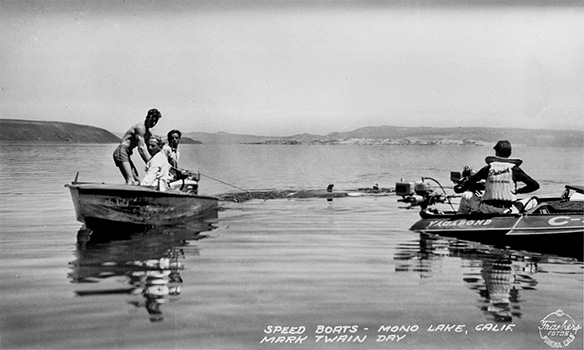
(558, 329)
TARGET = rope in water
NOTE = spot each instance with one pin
(223, 182)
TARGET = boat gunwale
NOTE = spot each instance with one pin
(448, 215)
(99, 188)
(512, 219)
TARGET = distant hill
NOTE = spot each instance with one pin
(44, 131)
(185, 140)
(223, 137)
(49, 131)
(189, 141)
(472, 135)
(392, 135)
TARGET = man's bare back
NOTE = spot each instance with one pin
(135, 137)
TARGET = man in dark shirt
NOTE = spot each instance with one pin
(501, 174)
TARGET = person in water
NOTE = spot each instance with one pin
(502, 175)
(157, 168)
(136, 136)
(171, 148)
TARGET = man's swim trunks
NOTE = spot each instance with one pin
(122, 154)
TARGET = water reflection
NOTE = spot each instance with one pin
(497, 275)
(499, 286)
(423, 257)
(145, 265)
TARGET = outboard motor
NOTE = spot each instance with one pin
(186, 181)
(415, 193)
(423, 188)
(404, 189)
(419, 193)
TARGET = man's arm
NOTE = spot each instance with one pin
(480, 175)
(140, 133)
(520, 176)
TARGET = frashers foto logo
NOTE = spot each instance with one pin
(558, 329)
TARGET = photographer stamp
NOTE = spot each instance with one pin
(558, 329)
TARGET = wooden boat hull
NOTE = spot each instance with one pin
(100, 204)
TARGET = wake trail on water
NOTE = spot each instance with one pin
(283, 194)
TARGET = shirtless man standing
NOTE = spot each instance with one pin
(136, 136)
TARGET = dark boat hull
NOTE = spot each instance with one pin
(102, 204)
(558, 234)
(550, 224)
(515, 225)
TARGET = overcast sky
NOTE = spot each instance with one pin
(287, 67)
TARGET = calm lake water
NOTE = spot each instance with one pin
(345, 273)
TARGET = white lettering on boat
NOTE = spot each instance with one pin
(461, 222)
(559, 220)
(118, 202)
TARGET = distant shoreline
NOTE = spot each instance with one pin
(15, 130)
(374, 142)
(113, 144)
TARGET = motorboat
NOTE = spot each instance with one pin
(100, 204)
(552, 215)
(551, 221)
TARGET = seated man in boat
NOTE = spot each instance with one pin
(157, 168)
(501, 174)
(471, 198)
(170, 149)
(182, 179)
(136, 136)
